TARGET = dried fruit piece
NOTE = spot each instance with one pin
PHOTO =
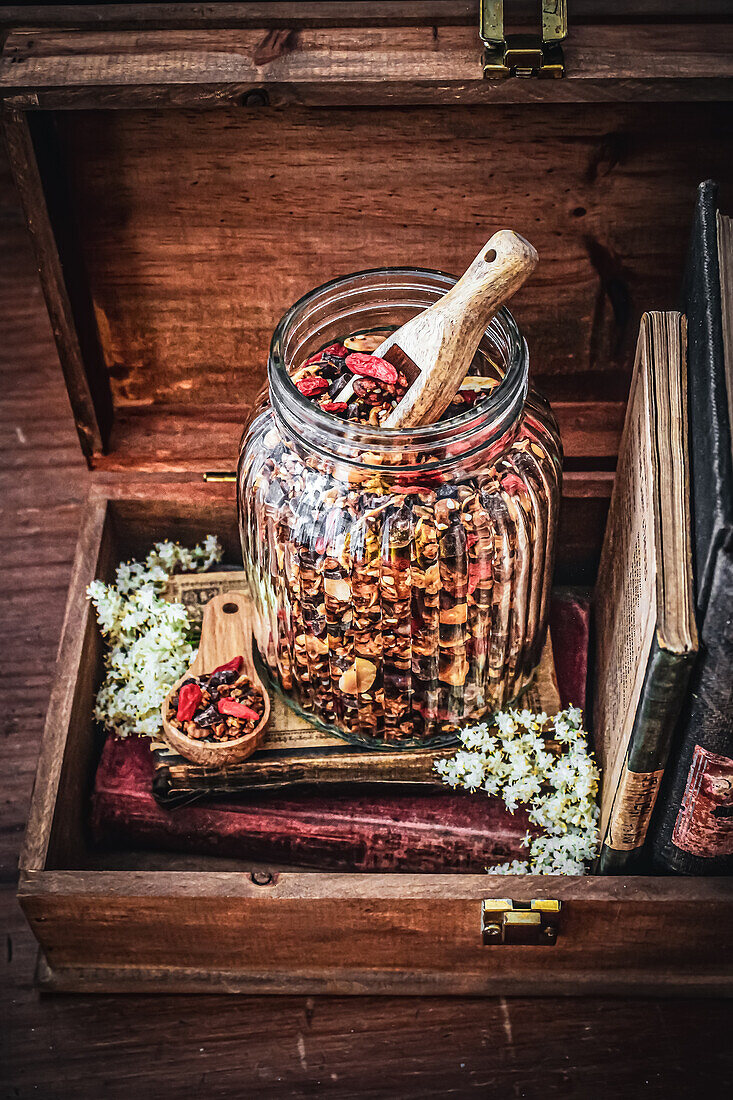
(309, 387)
(208, 717)
(453, 616)
(336, 349)
(237, 710)
(359, 678)
(338, 384)
(235, 664)
(511, 484)
(371, 366)
(189, 698)
(334, 406)
(364, 386)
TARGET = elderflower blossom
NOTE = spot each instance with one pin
(149, 639)
(517, 758)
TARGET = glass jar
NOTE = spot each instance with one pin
(400, 578)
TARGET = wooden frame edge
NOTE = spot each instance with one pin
(90, 404)
(51, 979)
(48, 770)
(313, 885)
(321, 13)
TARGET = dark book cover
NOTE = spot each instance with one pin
(692, 829)
(361, 829)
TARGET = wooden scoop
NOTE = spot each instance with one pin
(226, 632)
(435, 348)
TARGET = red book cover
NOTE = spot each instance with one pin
(347, 831)
(354, 830)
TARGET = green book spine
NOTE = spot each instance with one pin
(662, 695)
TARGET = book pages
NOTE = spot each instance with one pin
(626, 592)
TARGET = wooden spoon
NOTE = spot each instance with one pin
(435, 348)
(226, 632)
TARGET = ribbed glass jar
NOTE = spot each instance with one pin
(400, 578)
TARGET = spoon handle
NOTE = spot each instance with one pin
(498, 271)
(437, 346)
(226, 632)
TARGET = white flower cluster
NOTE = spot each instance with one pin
(543, 763)
(149, 639)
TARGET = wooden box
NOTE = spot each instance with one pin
(187, 174)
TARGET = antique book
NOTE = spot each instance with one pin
(646, 638)
(349, 829)
(370, 828)
(692, 831)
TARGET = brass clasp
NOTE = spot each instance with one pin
(520, 922)
(523, 54)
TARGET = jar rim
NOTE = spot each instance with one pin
(503, 405)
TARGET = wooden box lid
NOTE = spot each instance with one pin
(186, 183)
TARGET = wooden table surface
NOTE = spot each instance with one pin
(130, 1046)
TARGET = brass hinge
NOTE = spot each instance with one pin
(523, 54)
(520, 922)
(220, 475)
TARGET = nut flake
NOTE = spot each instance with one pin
(366, 341)
(359, 678)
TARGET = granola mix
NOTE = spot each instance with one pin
(352, 383)
(219, 706)
(392, 602)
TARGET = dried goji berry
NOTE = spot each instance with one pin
(333, 349)
(189, 698)
(371, 366)
(309, 387)
(512, 484)
(235, 664)
(237, 710)
(334, 406)
(425, 480)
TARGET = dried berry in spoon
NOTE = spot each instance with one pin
(221, 705)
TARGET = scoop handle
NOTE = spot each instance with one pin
(442, 340)
(504, 263)
(226, 632)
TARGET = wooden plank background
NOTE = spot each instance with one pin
(189, 238)
(199, 229)
(92, 1046)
